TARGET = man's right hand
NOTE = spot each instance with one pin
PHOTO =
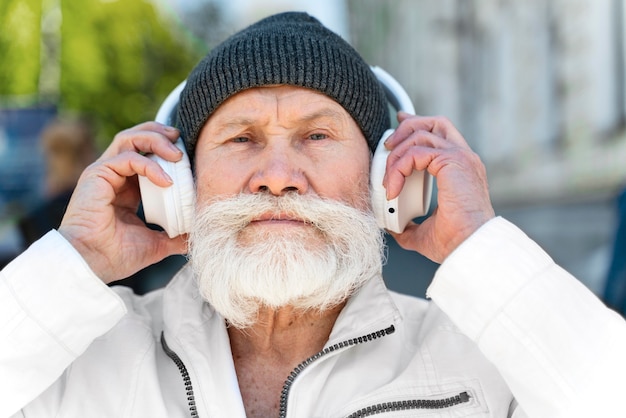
(101, 220)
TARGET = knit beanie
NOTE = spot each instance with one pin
(290, 48)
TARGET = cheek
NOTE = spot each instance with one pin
(351, 183)
(361, 191)
(214, 179)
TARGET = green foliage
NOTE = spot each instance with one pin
(19, 46)
(118, 59)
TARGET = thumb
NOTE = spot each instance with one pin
(167, 246)
(420, 238)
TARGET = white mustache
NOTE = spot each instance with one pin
(240, 210)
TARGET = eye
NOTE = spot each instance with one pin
(318, 136)
(240, 139)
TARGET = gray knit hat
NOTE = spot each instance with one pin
(289, 48)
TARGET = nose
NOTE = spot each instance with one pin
(279, 171)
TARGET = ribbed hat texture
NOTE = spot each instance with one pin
(289, 48)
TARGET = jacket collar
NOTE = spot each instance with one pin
(370, 308)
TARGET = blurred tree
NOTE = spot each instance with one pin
(116, 60)
(19, 47)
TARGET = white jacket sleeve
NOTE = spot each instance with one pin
(562, 352)
(52, 307)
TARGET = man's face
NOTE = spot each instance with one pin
(280, 139)
(282, 188)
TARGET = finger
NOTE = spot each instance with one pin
(417, 139)
(166, 130)
(147, 142)
(164, 246)
(415, 158)
(437, 125)
(414, 153)
(147, 138)
(417, 237)
(176, 245)
(116, 169)
(433, 160)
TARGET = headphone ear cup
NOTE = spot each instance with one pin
(378, 194)
(170, 207)
(183, 195)
(412, 202)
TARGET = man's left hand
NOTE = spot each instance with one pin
(463, 203)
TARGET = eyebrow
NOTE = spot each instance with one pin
(322, 113)
(235, 123)
(238, 122)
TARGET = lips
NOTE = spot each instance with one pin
(281, 218)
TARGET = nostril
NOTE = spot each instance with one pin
(284, 190)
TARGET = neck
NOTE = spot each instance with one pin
(286, 333)
(267, 352)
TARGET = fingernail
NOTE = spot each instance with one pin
(173, 147)
(170, 128)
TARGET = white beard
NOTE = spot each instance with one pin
(240, 268)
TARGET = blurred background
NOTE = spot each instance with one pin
(538, 88)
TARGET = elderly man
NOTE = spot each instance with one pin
(282, 310)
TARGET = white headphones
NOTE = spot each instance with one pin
(172, 207)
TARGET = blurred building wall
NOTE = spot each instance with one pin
(536, 86)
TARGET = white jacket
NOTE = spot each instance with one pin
(519, 337)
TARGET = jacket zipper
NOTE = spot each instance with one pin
(380, 408)
(184, 373)
(284, 395)
(289, 382)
